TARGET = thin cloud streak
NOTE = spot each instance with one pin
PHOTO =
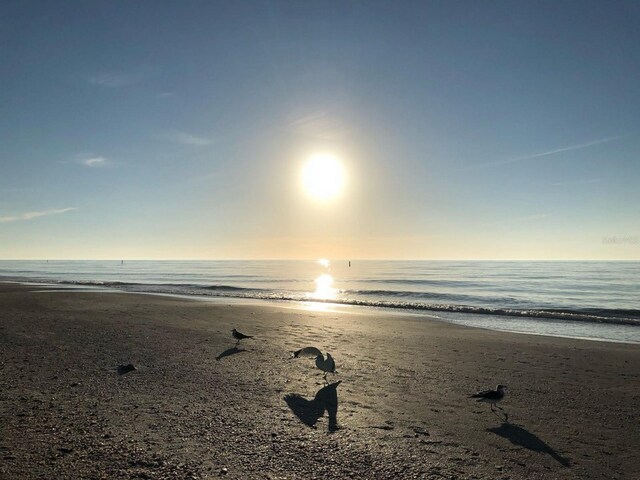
(32, 215)
(188, 139)
(116, 79)
(91, 161)
(577, 182)
(548, 153)
(319, 124)
(94, 162)
(517, 220)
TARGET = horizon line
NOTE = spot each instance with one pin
(115, 259)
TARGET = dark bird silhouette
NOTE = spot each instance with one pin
(327, 366)
(518, 435)
(239, 336)
(312, 352)
(310, 411)
(230, 351)
(492, 397)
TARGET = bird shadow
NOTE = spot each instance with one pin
(522, 437)
(310, 411)
(230, 351)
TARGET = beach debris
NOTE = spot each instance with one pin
(224, 471)
(129, 367)
(382, 427)
(327, 365)
(239, 336)
(419, 431)
(492, 397)
(311, 352)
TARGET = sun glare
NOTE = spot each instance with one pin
(324, 288)
(324, 262)
(323, 177)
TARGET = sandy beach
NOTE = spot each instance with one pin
(196, 407)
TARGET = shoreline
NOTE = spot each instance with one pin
(614, 316)
(196, 404)
(474, 319)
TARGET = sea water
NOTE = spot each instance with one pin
(598, 300)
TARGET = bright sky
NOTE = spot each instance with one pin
(464, 130)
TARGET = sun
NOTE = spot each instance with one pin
(323, 177)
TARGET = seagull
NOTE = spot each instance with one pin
(239, 336)
(492, 397)
(327, 366)
(307, 352)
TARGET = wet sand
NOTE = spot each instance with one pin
(196, 407)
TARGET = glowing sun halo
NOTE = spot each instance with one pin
(323, 177)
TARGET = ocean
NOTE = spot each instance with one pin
(591, 300)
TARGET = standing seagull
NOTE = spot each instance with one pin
(492, 397)
(327, 366)
(239, 336)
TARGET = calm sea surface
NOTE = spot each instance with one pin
(578, 299)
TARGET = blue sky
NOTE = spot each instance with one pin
(176, 129)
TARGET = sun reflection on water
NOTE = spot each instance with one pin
(324, 289)
(324, 262)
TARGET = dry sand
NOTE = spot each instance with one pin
(194, 407)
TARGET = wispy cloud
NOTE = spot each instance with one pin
(320, 124)
(517, 220)
(32, 215)
(188, 139)
(577, 182)
(556, 151)
(117, 79)
(91, 161)
(94, 162)
(16, 189)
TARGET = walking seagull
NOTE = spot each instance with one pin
(312, 352)
(327, 366)
(239, 336)
(492, 397)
